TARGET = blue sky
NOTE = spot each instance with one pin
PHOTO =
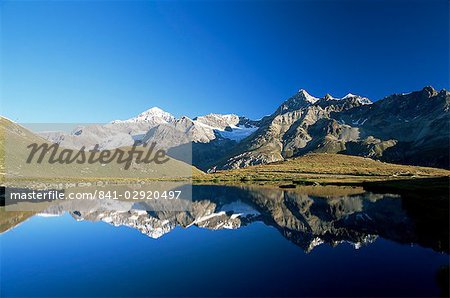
(95, 61)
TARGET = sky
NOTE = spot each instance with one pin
(96, 61)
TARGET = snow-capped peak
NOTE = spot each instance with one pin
(306, 96)
(360, 99)
(156, 112)
(300, 100)
(349, 95)
(154, 115)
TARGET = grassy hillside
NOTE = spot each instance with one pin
(323, 167)
(14, 140)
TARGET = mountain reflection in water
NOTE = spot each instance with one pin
(307, 216)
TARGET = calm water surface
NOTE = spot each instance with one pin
(234, 241)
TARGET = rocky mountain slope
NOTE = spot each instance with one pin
(404, 128)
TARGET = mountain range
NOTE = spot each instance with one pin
(408, 128)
